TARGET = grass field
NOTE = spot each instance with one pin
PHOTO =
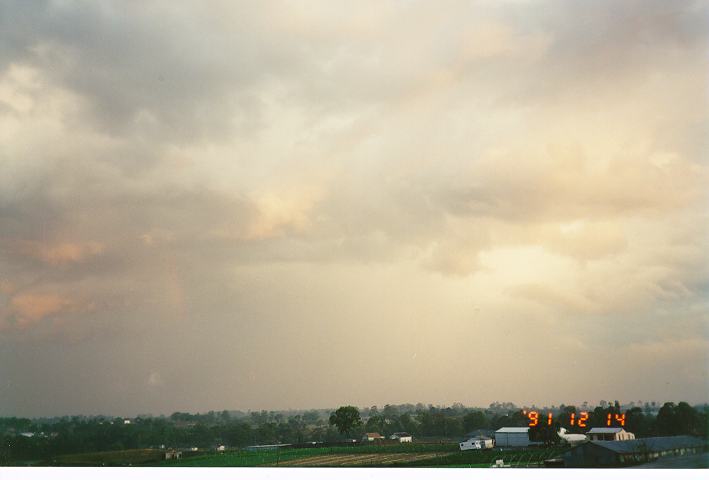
(366, 455)
(403, 455)
(421, 455)
(112, 458)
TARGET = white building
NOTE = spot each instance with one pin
(403, 437)
(479, 443)
(173, 454)
(512, 437)
(610, 433)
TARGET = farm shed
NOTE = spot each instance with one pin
(512, 437)
(402, 437)
(610, 433)
(605, 453)
(371, 437)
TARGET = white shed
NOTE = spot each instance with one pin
(402, 437)
(512, 437)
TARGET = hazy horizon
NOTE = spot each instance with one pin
(362, 408)
(272, 205)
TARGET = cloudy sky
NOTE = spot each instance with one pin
(287, 204)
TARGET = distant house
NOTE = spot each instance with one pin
(126, 422)
(402, 437)
(173, 454)
(604, 453)
(221, 448)
(610, 434)
(512, 437)
(371, 437)
(27, 434)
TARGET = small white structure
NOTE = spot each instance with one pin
(221, 448)
(610, 433)
(173, 454)
(370, 437)
(403, 437)
(479, 443)
(126, 422)
(571, 438)
(512, 437)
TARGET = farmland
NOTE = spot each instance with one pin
(111, 458)
(422, 455)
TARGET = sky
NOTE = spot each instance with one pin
(300, 204)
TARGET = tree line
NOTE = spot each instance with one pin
(37, 439)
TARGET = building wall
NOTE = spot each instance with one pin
(589, 455)
(512, 439)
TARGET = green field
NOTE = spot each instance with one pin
(273, 458)
(421, 455)
(112, 458)
(411, 455)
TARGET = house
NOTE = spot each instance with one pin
(221, 448)
(512, 437)
(173, 454)
(371, 437)
(610, 433)
(402, 437)
(618, 453)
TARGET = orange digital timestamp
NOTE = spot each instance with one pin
(533, 418)
(582, 419)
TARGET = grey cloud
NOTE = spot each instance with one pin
(146, 67)
(250, 186)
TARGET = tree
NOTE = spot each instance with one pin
(375, 423)
(666, 424)
(346, 419)
(474, 420)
